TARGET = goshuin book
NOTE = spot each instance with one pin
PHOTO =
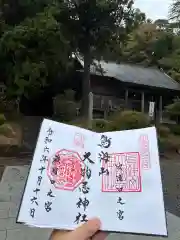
(77, 174)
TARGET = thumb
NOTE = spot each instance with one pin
(86, 230)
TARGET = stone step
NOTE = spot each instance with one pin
(15, 174)
(9, 209)
(11, 192)
(10, 224)
(5, 195)
(3, 235)
(28, 233)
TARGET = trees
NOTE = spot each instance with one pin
(37, 39)
(150, 45)
(113, 51)
(174, 12)
(174, 16)
(91, 26)
(173, 110)
(32, 54)
(13, 12)
(147, 44)
(33, 51)
(171, 61)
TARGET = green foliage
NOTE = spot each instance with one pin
(174, 11)
(169, 144)
(32, 54)
(14, 12)
(147, 45)
(92, 27)
(175, 129)
(100, 125)
(129, 120)
(163, 145)
(94, 23)
(65, 107)
(156, 45)
(163, 131)
(2, 119)
(174, 108)
(120, 121)
(7, 131)
(79, 122)
(167, 139)
(36, 40)
(69, 95)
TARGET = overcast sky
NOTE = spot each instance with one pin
(154, 9)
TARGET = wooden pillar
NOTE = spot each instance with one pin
(142, 102)
(90, 112)
(126, 98)
(160, 109)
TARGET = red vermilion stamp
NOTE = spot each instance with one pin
(65, 170)
(124, 173)
(79, 140)
(144, 152)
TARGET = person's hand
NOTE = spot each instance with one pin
(89, 230)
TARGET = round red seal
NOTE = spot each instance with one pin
(65, 170)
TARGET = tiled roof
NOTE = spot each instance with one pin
(135, 74)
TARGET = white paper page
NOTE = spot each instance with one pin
(129, 196)
(141, 206)
(51, 206)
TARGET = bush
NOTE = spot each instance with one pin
(2, 119)
(163, 145)
(175, 129)
(65, 110)
(79, 123)
(163, 131)
(70, 95)
(129, 120)
(170, 144)
(7, 131)
(100, 125)
(174, 108)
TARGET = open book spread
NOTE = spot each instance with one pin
(77, 174)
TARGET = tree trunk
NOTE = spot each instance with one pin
(86, 85)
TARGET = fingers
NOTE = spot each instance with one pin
(86, 230)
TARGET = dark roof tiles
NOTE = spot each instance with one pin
(134, 74)
(137, 75)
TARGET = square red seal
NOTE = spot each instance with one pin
(123, 173)
(144, 152)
